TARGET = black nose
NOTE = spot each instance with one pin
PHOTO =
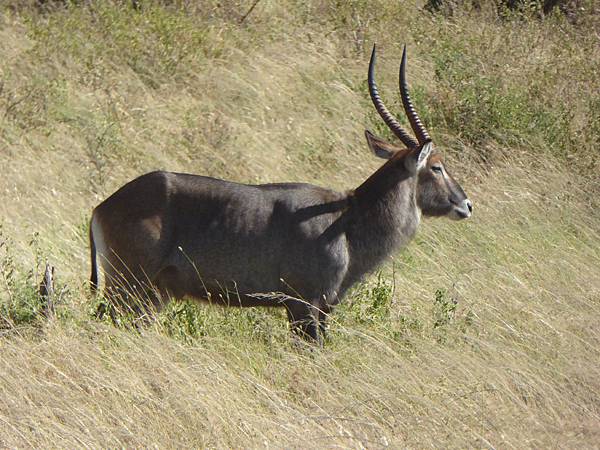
(470, 205)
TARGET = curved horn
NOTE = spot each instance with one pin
(387, 117)
(413, 117)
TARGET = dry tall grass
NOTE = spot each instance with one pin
(481, 334)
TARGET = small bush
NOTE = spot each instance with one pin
(20, 301)
(371, 303)
(183, 320)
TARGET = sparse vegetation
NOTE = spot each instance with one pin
(481, 334)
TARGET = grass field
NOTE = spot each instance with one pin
(481, 334)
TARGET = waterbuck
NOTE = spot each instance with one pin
(171, 235)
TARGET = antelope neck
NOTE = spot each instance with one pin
(384, 213)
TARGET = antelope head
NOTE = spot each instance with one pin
(437, 193)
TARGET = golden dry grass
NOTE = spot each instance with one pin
(489, 337)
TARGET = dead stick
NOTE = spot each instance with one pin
(47, 291)
(249, 11)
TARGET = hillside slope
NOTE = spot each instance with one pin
(481, 334)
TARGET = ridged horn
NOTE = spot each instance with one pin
(409, 109)
(387, 117)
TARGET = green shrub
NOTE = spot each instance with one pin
(20, 301)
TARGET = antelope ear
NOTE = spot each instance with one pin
(381, 148)
(423, 155)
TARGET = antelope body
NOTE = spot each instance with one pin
(296, 245)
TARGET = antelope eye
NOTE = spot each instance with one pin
(437, 169)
